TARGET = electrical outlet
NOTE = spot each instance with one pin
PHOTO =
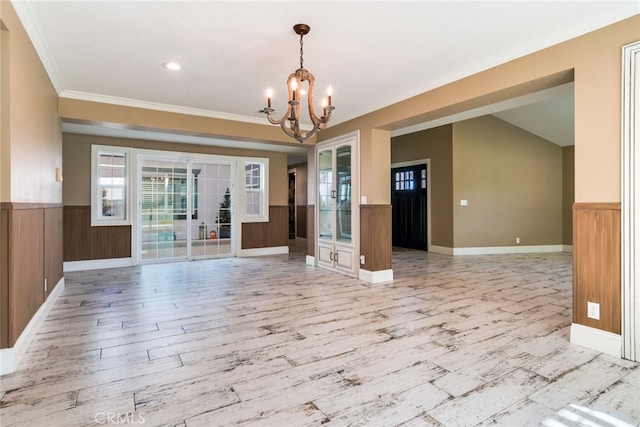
(362, 259)
(593, 310)
(517, 240)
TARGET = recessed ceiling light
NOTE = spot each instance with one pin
(174, 66)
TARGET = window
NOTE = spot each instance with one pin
(405, 181)
(256, 194)
(110, 186)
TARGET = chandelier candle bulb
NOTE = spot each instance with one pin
(269, 95)
(329, 93)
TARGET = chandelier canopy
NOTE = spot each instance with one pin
(290, 121)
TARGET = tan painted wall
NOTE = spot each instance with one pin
(568, 190)
(5, 151)
(592, 61)
(77, 164)
(33, 149)
(434, 144)
(512, 181)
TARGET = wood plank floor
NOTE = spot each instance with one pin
(453, 341)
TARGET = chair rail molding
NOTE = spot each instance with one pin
(630, 204)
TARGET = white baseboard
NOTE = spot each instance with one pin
(311, 260)
(375, 276)
(596, 339)
(274, 250)
(97, 264)
(10, 357)
(567, 248)
(496, 250)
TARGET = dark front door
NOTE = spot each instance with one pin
(409, 201)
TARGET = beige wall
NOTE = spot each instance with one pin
(592, 61)
(434, 144)
(31, 136)
(568, 190)
(5, 152)
(77, 164)
(512, 181)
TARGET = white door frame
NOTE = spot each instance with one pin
(139, 155)
(630, 204)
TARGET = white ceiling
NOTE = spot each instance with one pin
(373, 53)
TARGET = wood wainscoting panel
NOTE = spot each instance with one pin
(301, 221)
(375, 237)
(26, 268)
(30, 252)
(267, 234)
(596, 264)
(83, 242)
(4, 277)
(53, 247)
(311, 230)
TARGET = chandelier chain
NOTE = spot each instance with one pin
(301, 51)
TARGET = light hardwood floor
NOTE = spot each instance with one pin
(454, 341)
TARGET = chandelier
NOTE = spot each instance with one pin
(290, 122)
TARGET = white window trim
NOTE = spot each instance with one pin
(96, 206)
(264, 179)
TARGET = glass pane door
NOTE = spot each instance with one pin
(343, 196)
(185, 209)
(326, 194)
(211, 226)
(165, 209)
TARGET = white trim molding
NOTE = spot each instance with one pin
(493, 250)
(97, 264)
(274, 250)
(10, 357)
(630, 207)
(497, 250)
(375, 276)
(596, 339)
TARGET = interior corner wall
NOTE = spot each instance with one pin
(30, 246)
(435, 144)
(512, 181)
(568, 191)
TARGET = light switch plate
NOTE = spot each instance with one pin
(464, 202)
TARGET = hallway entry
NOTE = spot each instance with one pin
(409, 201)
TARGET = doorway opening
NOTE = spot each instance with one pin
(410, 200)
(292, 204)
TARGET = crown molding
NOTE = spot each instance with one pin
(23, 10)
(135, 103)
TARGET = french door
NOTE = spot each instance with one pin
(184, 209)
